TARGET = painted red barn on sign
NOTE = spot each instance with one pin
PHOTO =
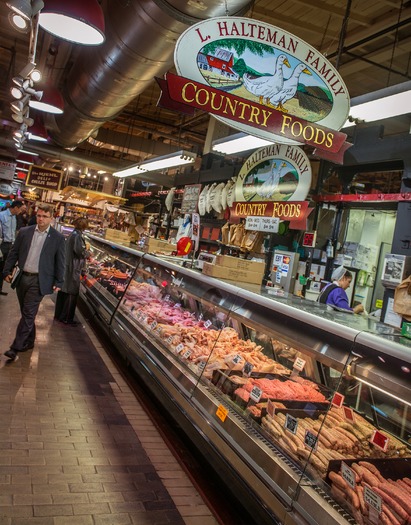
(221, 62)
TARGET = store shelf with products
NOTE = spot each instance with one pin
(257, 381)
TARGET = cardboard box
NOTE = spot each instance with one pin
(158, 245)
(116, 235)
(240, 264)
(233, 274)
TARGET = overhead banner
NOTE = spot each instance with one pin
(261, 80)
(274, 173)
(44, 178)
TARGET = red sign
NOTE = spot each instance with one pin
(380, 440)
(348, 414)
(338, 400)
(185, 92)
(286, 211)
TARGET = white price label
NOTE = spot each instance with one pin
(207, 324)
(159, 330)
(291, 424)
(167, 298)
(348, 474)
(169, 339)
(299, 364)
(186, 354)
(270, 408)
(153, 325)
(373, 499)
(177, 305)
(179, 348)
(256, 394)
(247, 368)
(201, 365)
(237, 359)
(310, 440)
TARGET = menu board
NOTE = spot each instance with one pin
(191, 195)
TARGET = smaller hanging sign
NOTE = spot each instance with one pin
(190, 198)
(44, 178)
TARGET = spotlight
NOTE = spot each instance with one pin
(51, 101)
(21, 8)
(21, 13)
(17, 92)
(20, 24)
(36, 75)
(19, 105)
(21, 82)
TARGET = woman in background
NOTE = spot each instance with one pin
(334, 294)
(76, 254)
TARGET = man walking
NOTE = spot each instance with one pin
(8, 225)
(40, 253)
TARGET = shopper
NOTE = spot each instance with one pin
(39, 252)
(334, 294)
(8, 225)
(76, 253)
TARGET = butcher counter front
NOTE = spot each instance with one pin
(306, 411)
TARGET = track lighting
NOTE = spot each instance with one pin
(29, 72)
(21, 13)
(20, 105)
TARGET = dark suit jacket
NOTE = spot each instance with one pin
(52, 258)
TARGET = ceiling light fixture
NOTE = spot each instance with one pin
(238, 142)
(38, 131)
(78, 21)
(384, 103)
(21, 13)
(21, 150)
(50, 102)
(179, 158)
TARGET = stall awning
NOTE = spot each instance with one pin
(92, 197)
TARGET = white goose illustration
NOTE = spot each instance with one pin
(267, 86)
(289, 88)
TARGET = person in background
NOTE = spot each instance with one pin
(8, 226)
(21, 218)
(334, 294)
(76, 254)
(32, 216)
(39, 252)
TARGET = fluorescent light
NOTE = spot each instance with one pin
(21, 150)
(239, 142)
(179, 158)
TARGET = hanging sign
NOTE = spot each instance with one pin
(44, 178)
(261, 80)
(7, 170)
(274, 173)
(190, 198)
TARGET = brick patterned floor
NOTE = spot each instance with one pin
(76, 447)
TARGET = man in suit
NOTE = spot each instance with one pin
(39, 252)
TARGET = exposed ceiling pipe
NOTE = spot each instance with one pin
(140, 41)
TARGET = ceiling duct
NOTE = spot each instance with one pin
(140, 41)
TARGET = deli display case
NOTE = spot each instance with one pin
(305, 413)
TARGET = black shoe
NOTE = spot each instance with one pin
(72, 323)
(12, 356)
(29, 346)
(4, 293)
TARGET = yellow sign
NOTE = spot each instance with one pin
(222, 413)
(378, 303)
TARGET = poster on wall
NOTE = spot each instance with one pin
(274, 173)
(261, 80)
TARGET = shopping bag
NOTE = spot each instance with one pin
(402, 299)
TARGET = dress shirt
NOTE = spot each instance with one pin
(33, 257)
(7, 226)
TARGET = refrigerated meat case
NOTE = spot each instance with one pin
(260, 382)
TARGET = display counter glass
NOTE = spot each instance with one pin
(313, 405)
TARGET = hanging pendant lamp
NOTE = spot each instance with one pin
(78, 21)
(51, 101)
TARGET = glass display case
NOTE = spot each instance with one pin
(309, 408)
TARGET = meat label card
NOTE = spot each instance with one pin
(348, 414)
(299, 364)
(310, 440)
(380, 440)
(247, 368)
(348, 474)
(256, 394)
(372, 499)
(291, 424)
(338, 400)
(222, 413)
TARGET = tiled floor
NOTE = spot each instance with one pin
(76, 447)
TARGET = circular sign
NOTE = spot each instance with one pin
(266, 65)
(274, 173)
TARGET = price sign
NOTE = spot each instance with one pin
(159, 330)
(207, 324)
(338, 400)
(169, 339)
(237, 359)
(255, 394)
(153, 325)
(177, 305)
(373, 499)
(167, 297)
(186, 354)
(299, 364)
(348, 414)
(222, 413)
(179, 348)
(291, 423)
(270, 224)
(247, 368)
(310, 440)
(200, 317)
(380, 440)
(139, 315)
(348, 474)
(201, 365)
(270, 408)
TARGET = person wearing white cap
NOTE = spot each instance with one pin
(334, 294)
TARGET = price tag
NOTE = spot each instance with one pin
(256, 394)
(207, 324)
(247, 368)
(237, 359)
(166, 297)
(299, 364)
(291, 424)
(177, 305)
(338, 400)
(373, 499)
(270, 408)
(348, 414)
(186, 354)
(169, 339)
(201, 365)
(153, 325)
(380, 440)
(139, 315)
(200, 317)
(310, 440)
(222, 413)
(179, 348)
(159, 330)
(348, 474)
